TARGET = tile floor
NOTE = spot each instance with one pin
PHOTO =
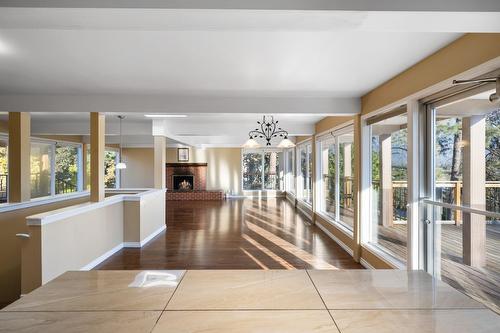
(247, 301)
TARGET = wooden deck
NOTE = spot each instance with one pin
(481, 284)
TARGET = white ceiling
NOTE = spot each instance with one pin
(222, 67)
(225, 63)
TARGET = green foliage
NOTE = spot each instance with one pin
(110, 169)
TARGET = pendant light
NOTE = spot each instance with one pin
(121, 165)
(268, 130)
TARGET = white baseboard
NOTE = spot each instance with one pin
(117, 248)
(153, 235)
(100, 259)
(145, 240)
(336, 239)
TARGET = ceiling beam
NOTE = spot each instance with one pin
(179, 104)
(345, 5)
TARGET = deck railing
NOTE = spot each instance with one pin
(37, 183)
(446, 191)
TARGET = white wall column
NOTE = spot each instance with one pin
(160, 152)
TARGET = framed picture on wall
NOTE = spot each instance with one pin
(183, 154)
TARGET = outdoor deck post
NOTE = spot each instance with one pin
(97, 141)
(474, 190)
(19, 156)
(386, 180)
(160, 151)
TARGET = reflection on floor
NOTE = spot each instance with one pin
(235, 234)
(345, 301)
(481, 284)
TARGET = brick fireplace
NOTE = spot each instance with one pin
(181, 175)
(197, 170)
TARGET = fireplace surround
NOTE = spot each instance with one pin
(188, 181)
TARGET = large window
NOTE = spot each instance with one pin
(4, 179)
(111, 179)
(290, 170)
(111, 173)
(41, 159)
(304, 179)
(55, 168)
(389, 183)
(262, 170)
(336, 170)
(67, 167)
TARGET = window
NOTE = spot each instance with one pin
(41, 169)
(336, 170)
(252, 171)
(290, 170)
(111, 158)
(55, 168)
(305, 172)
(67, 159)
(272, 170)
(389, 184)
(474, 122)
(4, 180)
(262, 170)
(111, 174)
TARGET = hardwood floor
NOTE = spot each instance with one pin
(235, 234)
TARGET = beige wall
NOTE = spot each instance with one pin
(80, 237)
(328, 123)
(224, 166)
(11, 223)
(302, 138)
(461, 55)
(72, 243)
(140, 168)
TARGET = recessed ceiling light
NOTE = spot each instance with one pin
(166, 115)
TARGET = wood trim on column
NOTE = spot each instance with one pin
(160, 152)
(97, 141)
(19, 156)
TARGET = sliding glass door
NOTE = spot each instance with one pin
(262, 170)
(463, 189)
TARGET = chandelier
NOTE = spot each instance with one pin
(268, 130)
